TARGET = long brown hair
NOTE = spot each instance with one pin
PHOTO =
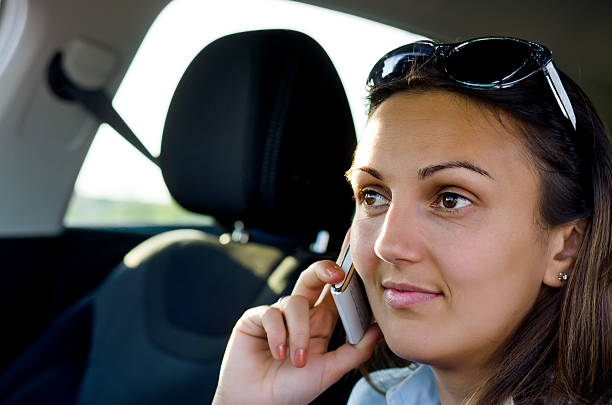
(561, 353)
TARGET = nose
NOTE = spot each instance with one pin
(400, 240)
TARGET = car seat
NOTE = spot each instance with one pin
(258, 135)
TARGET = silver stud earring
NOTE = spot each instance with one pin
(562, 277)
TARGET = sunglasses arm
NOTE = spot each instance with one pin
(559, 91)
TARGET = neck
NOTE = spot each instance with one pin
(455, 385)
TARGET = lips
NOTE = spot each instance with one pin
(403, 295)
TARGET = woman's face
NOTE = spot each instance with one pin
(445, 235)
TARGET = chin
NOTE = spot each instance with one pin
(416, 344)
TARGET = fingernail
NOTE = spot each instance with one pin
(300, 357)
(331, 271)
(281, 351)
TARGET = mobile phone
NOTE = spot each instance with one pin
(351, 301)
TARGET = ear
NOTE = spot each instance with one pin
(564, 244)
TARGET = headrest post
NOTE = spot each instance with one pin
(240, 234)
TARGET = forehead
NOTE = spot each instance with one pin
(433, 127)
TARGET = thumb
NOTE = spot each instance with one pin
(348, 356)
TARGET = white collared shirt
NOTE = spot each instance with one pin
(404, 386)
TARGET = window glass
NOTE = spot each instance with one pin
(118, 186)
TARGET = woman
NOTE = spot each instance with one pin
(482, 234)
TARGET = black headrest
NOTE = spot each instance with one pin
(259, 129)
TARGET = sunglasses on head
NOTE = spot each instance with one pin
(481, 63)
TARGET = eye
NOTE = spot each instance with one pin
(371, 198)
(452, 201)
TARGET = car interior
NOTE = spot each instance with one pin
(257, 136)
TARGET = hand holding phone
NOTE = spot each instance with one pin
(301, 360)
(351, 301)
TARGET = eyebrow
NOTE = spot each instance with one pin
(372, 172)
(426, 171)
(430, 170)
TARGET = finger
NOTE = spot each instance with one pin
(297, 316)
(250, 322)
(348, 356)
(312, 280)
(322, 324)
(325, 298)
(276, 331)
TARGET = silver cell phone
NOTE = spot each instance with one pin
(351, 301)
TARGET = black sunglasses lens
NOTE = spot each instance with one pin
(397, 63)
(487, 62)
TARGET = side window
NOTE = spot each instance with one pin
(118, 186)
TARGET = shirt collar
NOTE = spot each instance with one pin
(419, 388)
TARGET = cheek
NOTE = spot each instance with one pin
(491, 256)
(493, 278)
(364, 233)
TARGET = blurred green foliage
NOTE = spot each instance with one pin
(84, 211)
